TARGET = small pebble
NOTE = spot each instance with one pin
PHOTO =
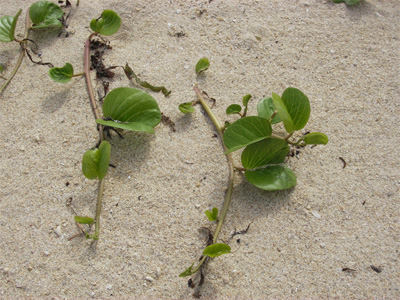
(197, 205)
(6, 270)
(30, 268)
(46, 253)
(57, 230)
(178, 11)
(316, 214)
(149, 279)
(109, 287)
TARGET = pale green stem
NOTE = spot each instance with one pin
(98, 209)
(78, 75)
(101, 130)
(228, 195)
(21, 54)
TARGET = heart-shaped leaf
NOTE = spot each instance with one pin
(246, 131)
(212, 215)
(266, 109)
(131, 109)
(95, 162)
(218, 249)
(272, 178)
(202, 65)
(45, 14)
(62, 75)
(265, 152)
(84, 220)
(316, 138)
(7, 27)
(186, 108)
(233, 109)
(108, 23)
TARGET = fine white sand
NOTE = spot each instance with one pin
(345, 59)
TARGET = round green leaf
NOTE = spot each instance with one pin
(62, 75)
(233, 109)
(266, 109)
(272, 178)
(348, 2)
(218, 249)
(7, 27)
(316, 138)
(95, 162)
(246, 131)
(45, 14)
(108, 23)
(298, 107)
(84, 220)
(202, 65)
(186, 108)
(131, 109)
(133, 126)
(267, 151)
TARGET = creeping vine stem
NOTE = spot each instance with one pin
(228, 195)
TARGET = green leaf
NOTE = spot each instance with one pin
(62, 75)
(272, 178)
(1, 69)
(246, 131)
(348, 2)
(108, 23)
(218, 249)
(131, 75)
(187, 272)
(186, 107)
(7, 27)
(202, 65)
(45, 14)
(131, 109)
(298, 107)
(267, 151)
(316, 138)
(266, 109)
(95, 162)
(84, 220)
(212, 215)
(246, 100)
(283, 113)
(233, 109)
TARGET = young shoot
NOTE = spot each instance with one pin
(264, 151)
(41, 14)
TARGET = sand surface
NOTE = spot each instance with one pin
(345, 59)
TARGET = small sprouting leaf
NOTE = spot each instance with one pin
(212, 215)
(95, 162)
(62, 75)
(131, 109)
(108, 23)
(202, 65)
(187, 272)
(1, 68)
(283, 113)
(272, 178)
(348, 2)
(268, 151)
(45, 14)
(266, 109)
(246, 131)
(84, 220)
(316, 138)
(186, 108)
(246, 100)
(131, 75)
(7, 27)
(233, 109)
(218, 249)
